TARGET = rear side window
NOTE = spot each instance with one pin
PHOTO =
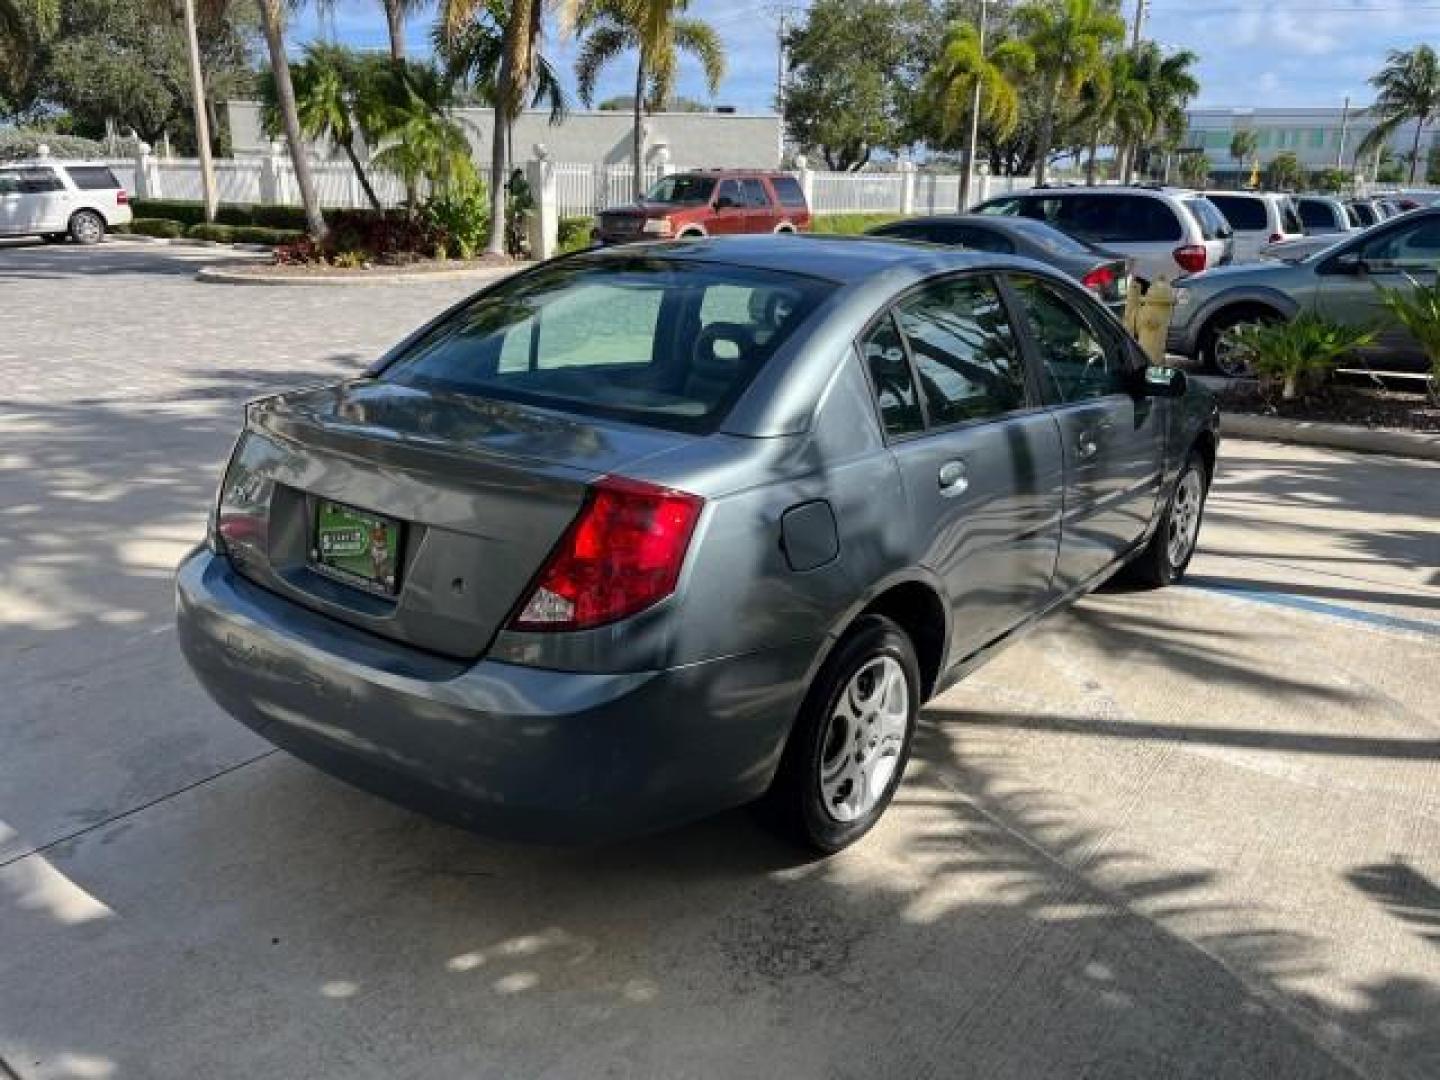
(964, 351)
(1213, 225)
(1080, 362)
(788, 191)
(1315, 214)
(661, 342)
(755, 193)
(1244, 213)
(92, 177)
(889, 367)
(32, 181)
(1124, 219)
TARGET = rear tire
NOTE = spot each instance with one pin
(851, 741)
(1213, 353)
(87, 227)
(1166, 558)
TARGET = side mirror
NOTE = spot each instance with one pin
(1162, 382)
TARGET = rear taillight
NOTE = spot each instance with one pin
(1099, 279)
(1191, 257)
(122, 197)
(621, 555)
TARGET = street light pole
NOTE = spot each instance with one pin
(1344, 125)
(202, 121)
(973, 144)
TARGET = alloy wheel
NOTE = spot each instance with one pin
(1184, 524)
(863, 739)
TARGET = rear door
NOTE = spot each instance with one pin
(1113, 441)
(759, 213)
(731, 213)
(979, 458)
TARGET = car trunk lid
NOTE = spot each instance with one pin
(479, 489)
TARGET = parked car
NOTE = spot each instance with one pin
(647, 532)
(1165, 232)
(1338, 281)
(1321, 214)
(56, 199)
(1365, 212)
(1104, 273)
(1257, 218)
(716, 202)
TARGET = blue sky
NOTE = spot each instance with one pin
(1252, 52)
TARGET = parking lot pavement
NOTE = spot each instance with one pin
(1179, 834)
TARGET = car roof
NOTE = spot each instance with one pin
(1103, 189)
(842, 259)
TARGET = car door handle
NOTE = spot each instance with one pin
(953, 480)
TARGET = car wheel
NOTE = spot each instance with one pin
(851, 740)
(87, 227)
(1220, 352)
(1167, 556)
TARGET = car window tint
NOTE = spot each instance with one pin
(1125, 219)
(890, 378)
(638, 338)
(33, 181)
(1001, 207)
(1410, 247)
(755, 194)
(788, 191)
(730, 189)
(1079, 362)
(1315, 214)
(965, 353)
(92, 177)
(1242, 211)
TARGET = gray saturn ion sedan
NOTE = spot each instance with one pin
(643, 533)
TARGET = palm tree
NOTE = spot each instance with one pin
(1113, 106)
(658, 31)
(272, 22)
(1409, 91)
(962, 70)
(1243, 145)
(336, 95)
(424, 143)
(1169, 85)
(1068, 39)
(395, 14)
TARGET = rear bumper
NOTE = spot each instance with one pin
(519, 752)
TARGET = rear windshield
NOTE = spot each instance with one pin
(1244, 212)
(662, 342)
(1213, 225)
(682, 190)
(92, 177)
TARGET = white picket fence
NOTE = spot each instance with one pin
(581, 188)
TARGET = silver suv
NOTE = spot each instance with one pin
(1258, 218)
(1166, 232)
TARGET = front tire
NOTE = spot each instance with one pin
(851, 741)
(87, 227)
(1167, 556)
(1223, 357)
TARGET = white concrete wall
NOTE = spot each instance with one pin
(696, 140)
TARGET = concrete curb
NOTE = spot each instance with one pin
(1338, 436)
(183, 241)
(482, 274)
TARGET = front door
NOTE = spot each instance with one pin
(1400, 257)
(1113, 440)
(759, 214)
(979, 459)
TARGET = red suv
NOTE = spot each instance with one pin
(716, 202)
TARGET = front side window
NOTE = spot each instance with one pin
(755, 194)
(965, 354)
(730, 195)
(1079, 363)
(681, 190)
(788, 191)
(885, 359)
(1411, 247)
(35, 180)
(662, 342)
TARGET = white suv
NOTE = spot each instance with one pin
(1258, 218)
(56, 199)
(1166, 232)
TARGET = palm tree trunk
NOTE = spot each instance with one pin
(395, 22)
(639, 132)
(349, 149)
(495, 244)
(1415, 148)
(1043, 135)
(1090, 159)
(271, 21)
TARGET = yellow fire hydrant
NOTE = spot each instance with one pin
(1147, 316)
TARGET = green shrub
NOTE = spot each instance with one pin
(166, 228)
(221, 234)
(285, 217)
(575, 233)
(460, 221)
(235, 214)
(190, 212)
(1305, 348)
(850, 224)
(187, 213)
(258, 234)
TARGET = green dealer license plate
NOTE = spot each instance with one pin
(357, 546)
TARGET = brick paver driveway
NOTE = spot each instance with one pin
(1179, 834)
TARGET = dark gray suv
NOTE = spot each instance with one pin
(648, 532)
